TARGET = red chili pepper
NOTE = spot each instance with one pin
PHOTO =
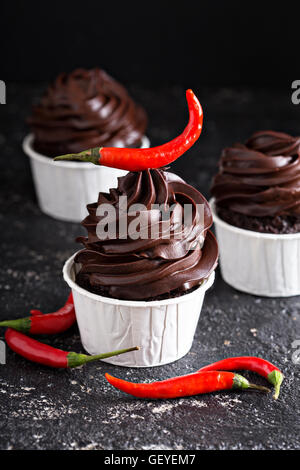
(47, 355)
(50, 323)
(255, 364)
(35, 311)
(142, 159)
(185, 385)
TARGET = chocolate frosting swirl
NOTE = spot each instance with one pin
(262, 177)
(86, 109)
(149, 267)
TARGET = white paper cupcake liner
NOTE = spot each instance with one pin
(163, 329)
(64, 189)
(258, 263)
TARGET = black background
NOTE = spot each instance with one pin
(158, 42)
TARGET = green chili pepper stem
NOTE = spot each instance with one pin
(90, 155)
(275, 378)
(241, 382)
(75, 360)
(21, 324)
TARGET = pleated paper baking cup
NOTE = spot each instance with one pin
(163, 329)
(64, 189)
(258, 263)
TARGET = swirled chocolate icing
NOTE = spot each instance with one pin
(85, 109)
(260, 178)
(148, 267)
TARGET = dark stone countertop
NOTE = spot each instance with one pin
(77, 409)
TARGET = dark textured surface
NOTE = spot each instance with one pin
(76, 409)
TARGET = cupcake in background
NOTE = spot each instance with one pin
(258, 185)
(80, 110)
(86, 109)
(256, 209)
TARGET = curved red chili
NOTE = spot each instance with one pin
(47, 355)
(155, 157)
(50, 323)
(185, 385)
(255, 364)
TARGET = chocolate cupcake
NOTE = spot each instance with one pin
(257, 214)
(80, 110)
(149, 256)
(85, 109)
(147, 290)
(258, 185)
